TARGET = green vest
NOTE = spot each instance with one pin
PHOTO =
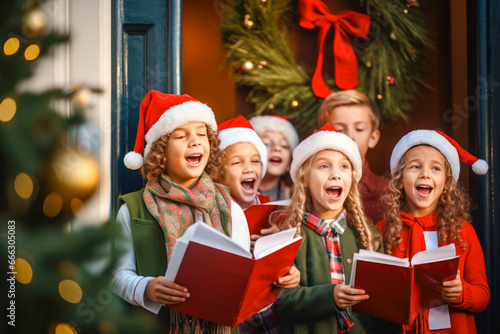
(150, 251)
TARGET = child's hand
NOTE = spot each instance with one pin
(451, 290)
(165, 292)
(290, 280)
(345, 296)
(265, 231)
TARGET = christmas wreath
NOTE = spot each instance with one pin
(378, 53)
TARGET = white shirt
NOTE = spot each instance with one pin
(130, 286)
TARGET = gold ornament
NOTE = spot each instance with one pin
(248, 23)
(34, 22)
(294, 104)
(71, 174)
(270, 106)
(379, 96)
(246, 66)
(368, 64)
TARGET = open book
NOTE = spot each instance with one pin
(228, 284)
(400, 290)
(258, 214)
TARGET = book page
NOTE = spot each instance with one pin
(283, 202)
(270, 243)
(205, 235)
(435, 254)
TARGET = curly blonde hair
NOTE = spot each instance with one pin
(453, 208)
(301, 203)
(156, 159)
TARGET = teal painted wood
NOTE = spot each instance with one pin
(146, 55)
(484, 141)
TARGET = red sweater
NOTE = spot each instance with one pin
(475, 291)
(372, 188)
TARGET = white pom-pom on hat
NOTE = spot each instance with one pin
(480, 167)
(133, 160)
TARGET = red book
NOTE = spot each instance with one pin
(228, 284)
(398, 290)
(258, 214)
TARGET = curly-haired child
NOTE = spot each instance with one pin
(177, 135)
(427, 208)
(327, 210)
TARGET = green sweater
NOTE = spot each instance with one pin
(310, 307)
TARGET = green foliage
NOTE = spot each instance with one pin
(394, 48)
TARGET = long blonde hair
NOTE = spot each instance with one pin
(453, 208)
(301, 203)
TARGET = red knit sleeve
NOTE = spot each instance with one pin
(475, 291)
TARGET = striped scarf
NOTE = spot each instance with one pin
(331, 232)
(176, 208)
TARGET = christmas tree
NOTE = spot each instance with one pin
(56, 280)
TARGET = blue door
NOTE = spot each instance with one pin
(146, 56)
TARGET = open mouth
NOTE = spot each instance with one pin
(334, 192)
(424, 190)
(248, 185)
(275, 160)
(194, 160)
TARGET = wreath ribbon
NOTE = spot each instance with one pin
(315, 13)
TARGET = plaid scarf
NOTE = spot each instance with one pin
(331, 232)
(176, 208)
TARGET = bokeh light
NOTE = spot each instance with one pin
(70, 291)
(52, 204)
(23, 270)
(23, 185)
(8, 109)
(11, 46)
(32, 52)
(107, 327)
(77, 207)
(63, 328)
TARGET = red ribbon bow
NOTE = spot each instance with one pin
(315, 13)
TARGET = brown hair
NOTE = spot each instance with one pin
(453, 208)
(349, 97)
(301, 203)
(156, 159)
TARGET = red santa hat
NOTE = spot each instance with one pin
(159, 115)
(239, 130)
(448, 147)
(278, 123)
(326, 138)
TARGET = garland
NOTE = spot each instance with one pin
(388, 63)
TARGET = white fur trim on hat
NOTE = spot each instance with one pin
(133, 160)
(262, 124)
(171, 119)
(426, 137)
(326, 140)
(231, 136)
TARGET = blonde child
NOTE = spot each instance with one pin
(280, 138)
(327, 211)
(426, 208)
(177, 135)
(353, 113)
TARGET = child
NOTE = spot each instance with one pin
(326, 209)
(426, 208)
(353, 113)
(244, 161)
(280, 138)
(178, 136)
